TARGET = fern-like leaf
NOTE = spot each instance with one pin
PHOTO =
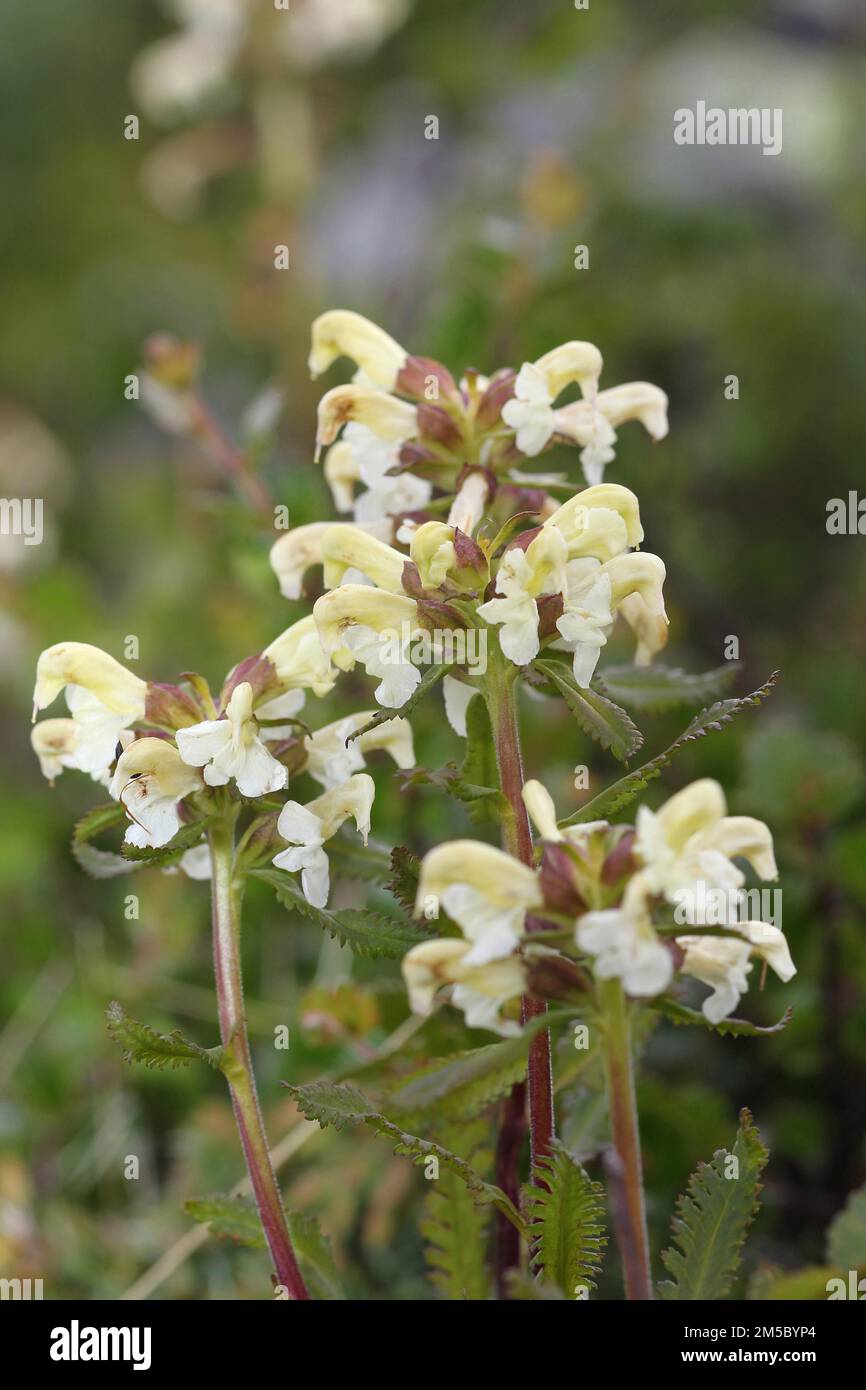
(713, 1217)
(341, 1104)
(566, 1222)
(461, 1086)
(597, 716)
(229, 1218)
(656, 688)
(141, 1043)
(622, 793)
(454, 1227)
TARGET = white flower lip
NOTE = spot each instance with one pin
(231, 749)
(308, 828)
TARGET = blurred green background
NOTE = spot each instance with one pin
(555, 129)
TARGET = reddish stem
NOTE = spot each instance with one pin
(512, 1133)
(517, 837)
(237, 1065)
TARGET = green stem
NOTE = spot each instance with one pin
(238, 1067)
(619, 1073)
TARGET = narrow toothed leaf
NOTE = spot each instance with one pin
(622, 793)
(597, 716)
(713, 1217)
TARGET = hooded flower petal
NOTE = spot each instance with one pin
(341, 473)
(539, 804)
(691, 842)
(593, 423)
(650, 628)
(230, 749)
(77, 663)
(724, 965)
(55, 743)
(571, 362)
(599, 535)
(346, 547)
(487, 892)
(299, 659)
(342, 333)
(389, 418)
(479, 990)
(356, 622)
(149, 781)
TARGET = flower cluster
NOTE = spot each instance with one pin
(424, 445)
(166, 752)
(507, 563)
(604, 885)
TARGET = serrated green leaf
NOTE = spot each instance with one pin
(477, 784)
(566, 1222)
(712, 1219)
(431, 677)
(459, 1087)
(141, 1043)
(313, 1250)
(370, 863)
(454, 1227)
(727, 1027)
(405, 870)
(597, 716)
(846, 1237)
(341, 1104)
(368, 933)
(622, 793)
(656, 688)
(229, 1218)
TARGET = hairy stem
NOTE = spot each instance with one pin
(517, 839)
(629, 1208)
(512, 1133)
(238, 1066)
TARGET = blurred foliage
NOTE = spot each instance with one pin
(555, 130)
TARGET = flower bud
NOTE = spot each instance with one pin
(415, 376)
(561, 880)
